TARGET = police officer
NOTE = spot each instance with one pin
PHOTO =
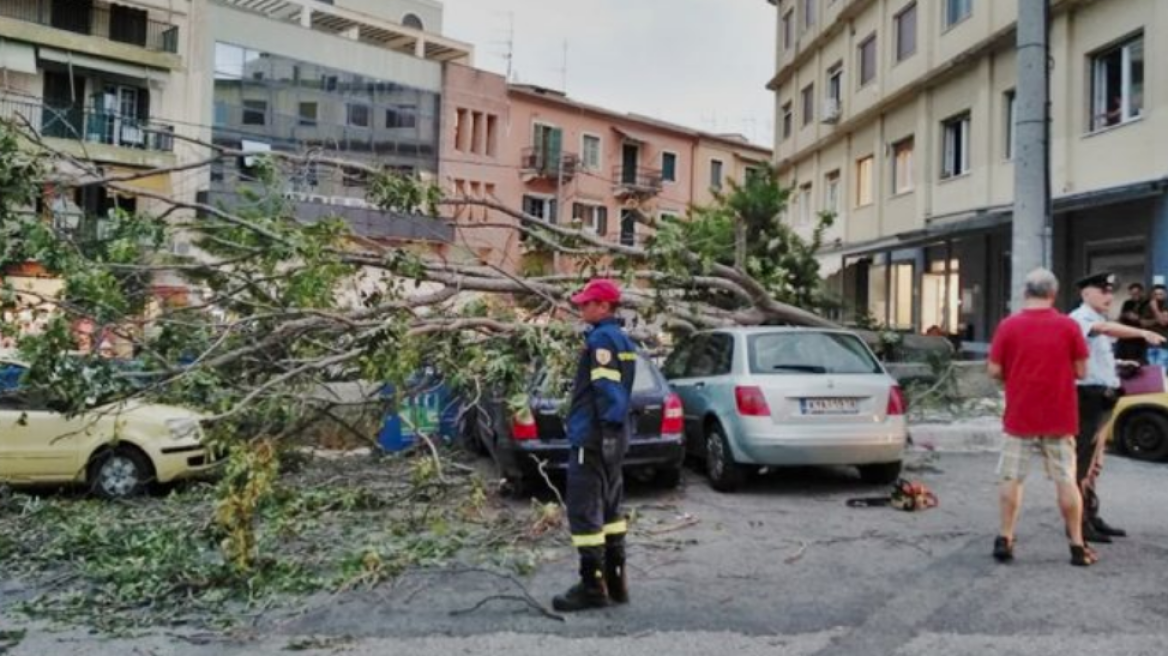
(1098, 391)
(599, 429)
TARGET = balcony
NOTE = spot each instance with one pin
(636, 181)
(79, 124)
(116, 23)
(541, 164)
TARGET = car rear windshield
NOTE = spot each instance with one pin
(810, 353)
(645, 380)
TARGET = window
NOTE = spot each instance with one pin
(804, 353)
(669, 167)
(900, 293)
(788, 29)
(592, 218)
(401, 116)
(957, 11)
(591, 152)
(716, 167)
(955, 157)
(255, 112)
(902, 166)
(804, 215)
(835, 83)
(868, 60)
(788, 119)
(808, 13)
(492, 135)
(127, 24)
(831, 193)
(308, 111)
(711, 355)
(906, 32)
(460, 128)
(478, 125)
(808, 104)
(1118, 84)
(752, 173)
(540, 207)
(357, 115)
(413, 22)
(864, 173)
(1011, 102)
(548, 145)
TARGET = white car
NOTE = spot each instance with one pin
(764, 397)
(118, 450)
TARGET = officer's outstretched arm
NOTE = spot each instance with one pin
(612, 400)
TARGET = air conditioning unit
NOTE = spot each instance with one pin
(831, 110)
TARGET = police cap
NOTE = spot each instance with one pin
(1104, 281)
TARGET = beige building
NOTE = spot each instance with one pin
(897, 115)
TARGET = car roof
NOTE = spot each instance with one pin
(760, 330)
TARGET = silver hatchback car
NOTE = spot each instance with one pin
(759, 397)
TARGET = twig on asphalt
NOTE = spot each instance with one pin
(531, 603)
(790, 560)
(689, 521)
(542, 466)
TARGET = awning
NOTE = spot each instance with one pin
(158, 183)
(630, 135)
(78, 60)
(17, 57)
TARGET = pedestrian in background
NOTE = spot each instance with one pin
(1039, 353)
(599, 430)
(1155, 318)
(1131, 314)
(1099, 389)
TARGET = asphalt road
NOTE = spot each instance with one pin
(781, 567)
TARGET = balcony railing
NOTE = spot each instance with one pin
(90, 126)
(636, 181)
(541, 163)
(116, 23)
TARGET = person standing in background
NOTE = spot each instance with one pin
(1133, 350)
(1155, 319)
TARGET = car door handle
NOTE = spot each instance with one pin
(699, 385)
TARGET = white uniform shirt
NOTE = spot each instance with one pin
(1100, 348)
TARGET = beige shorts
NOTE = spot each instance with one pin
(1058, 457)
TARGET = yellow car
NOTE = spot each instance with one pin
(1139, 426)
(117, 450)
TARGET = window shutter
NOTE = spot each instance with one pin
(555, 145)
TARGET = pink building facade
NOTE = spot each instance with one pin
(565, 161)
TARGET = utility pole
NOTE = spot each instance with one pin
(1032, 209)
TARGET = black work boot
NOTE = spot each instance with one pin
(590, 592)
(615, 575)
(1104, 528)
(1091, 534)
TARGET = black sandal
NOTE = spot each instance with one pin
(1083, 556)
(1003, 549)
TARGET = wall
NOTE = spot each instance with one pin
(395, 11)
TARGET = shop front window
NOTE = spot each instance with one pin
(900, 291)
(941, 297)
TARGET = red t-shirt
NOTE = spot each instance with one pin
(1037, 350)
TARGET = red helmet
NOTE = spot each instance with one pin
(599, 289)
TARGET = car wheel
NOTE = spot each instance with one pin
(884, 473)
(668, 478)
(120, 473)
(1144, 436)
(725, 474)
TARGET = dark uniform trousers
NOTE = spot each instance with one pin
(595, 491)
(1095, 405)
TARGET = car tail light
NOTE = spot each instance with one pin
(897, 403)
(523, 426)
(751, 402)
(673, 420)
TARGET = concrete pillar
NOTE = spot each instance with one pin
(1159, 246)
(420, 48)
(305, 16)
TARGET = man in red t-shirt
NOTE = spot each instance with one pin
(1038, 354)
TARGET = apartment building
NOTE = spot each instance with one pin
(569, 162)
(355, 80)
(105, 83)
(898, 116)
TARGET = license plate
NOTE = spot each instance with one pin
(829, 406)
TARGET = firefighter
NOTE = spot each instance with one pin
(599, 429)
